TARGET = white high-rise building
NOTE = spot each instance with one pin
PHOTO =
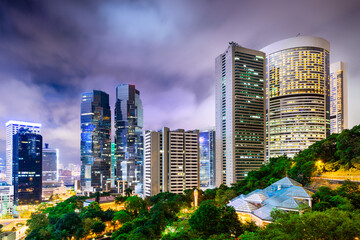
(171, 161)
(240, 113)
(12, 127)
(338, 97)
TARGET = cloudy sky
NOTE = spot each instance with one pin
(52, 51)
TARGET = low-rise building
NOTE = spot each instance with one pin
(6, 198)
(105, 203)
(285, 194)
(51, 189)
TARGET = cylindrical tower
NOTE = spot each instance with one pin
(297, 94)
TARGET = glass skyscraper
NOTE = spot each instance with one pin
(240, 113)
(297, 96)
(338, 97)
(27, 167)
(207, 158)
(12, 127)
(95, 140)
(128, 135)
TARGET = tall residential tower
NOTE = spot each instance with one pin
(240, 113)
(128, 135)
(338, 97)
(297, 84)
(171, 161)
(95, 140)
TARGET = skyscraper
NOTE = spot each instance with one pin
(95, 140)
(297, 86)
(338, 97)
(50, 160)
(171, 161)
(128, 135)
(12, 127)
(27, 167)
(207, 158)
(240, 113)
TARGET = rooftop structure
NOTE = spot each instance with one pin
(285, 194)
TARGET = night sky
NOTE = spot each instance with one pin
(52, 51)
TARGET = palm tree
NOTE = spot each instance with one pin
(128, 192)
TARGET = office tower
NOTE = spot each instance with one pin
(27, 167)
(240, 113)
(297, 94)
(128, 135)
(207, 158)
(12, 127)
(171, 161)
(338, 97)
(95, 140)
(6, 198)
(50, 159)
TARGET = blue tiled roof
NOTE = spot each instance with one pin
(283, 194)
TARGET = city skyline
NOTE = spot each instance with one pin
(49, 68)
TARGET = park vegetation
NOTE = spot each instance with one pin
(335, 213)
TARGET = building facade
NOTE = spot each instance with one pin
(297, 96)
(207, 158)
(95, 140)
(6, 198)
(113, 164)
(240, 113)
(128, 135)
(338, 97)
(50, 162)
(171, 161)
(12, 127)
(27, 167)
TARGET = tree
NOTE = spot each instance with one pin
(120, 199)
(206, 218)
(128, 192)
(135, 205)
(223, 197)
(97, 197)
(37, 220)
(98, 227)
(68, 224)
(92, 211)
(122, 216)
(331, 224)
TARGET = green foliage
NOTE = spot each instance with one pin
(120, 199)
(98, 227)
(223, 197)
(128, 192)
(209, 194)
(210, 220)
(331, 224)
(37, 220)
(345, 197)
(135, 205)
(265, 176)
(122, 216)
